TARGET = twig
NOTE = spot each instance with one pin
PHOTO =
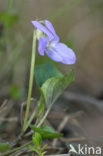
(21, 137)
(12, 119)
(72, 139)
(3, 104)
(16, 149)
(64, 122)
(84, 98)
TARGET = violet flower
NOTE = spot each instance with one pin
(49, 43)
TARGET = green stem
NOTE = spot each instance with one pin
(32, 117)
(30, 81)
(10, 5)
(36, 109)
(5, 24)
(44, 117)
(16, 149)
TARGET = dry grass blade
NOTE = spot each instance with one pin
(3, 104)
(64, 122)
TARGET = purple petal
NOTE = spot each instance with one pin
(67, 54)
(42, 45)
(61, 53)
(43, 29)
(51, 29)
(53, 55)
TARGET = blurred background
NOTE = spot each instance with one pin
(79, 23)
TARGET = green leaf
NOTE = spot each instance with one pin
(8, 19)
(34, 149)
(55, 86)
(37, 139)
(47, 132)
(15, 91)
(45, 71)
(4, 147)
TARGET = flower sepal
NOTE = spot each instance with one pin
(39, 34)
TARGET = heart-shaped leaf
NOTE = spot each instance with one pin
(45, 71)
(55, 86)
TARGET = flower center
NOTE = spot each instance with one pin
(51, 45)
